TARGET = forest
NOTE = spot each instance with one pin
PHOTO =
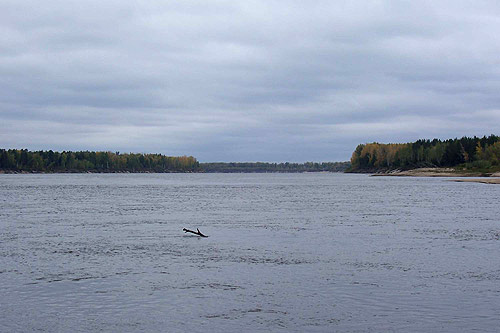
(469, 153)
(22, 160)
(249, 167)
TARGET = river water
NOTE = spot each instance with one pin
(314, 252)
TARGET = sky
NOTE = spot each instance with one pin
(270, 81)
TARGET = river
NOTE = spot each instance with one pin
(313, 252)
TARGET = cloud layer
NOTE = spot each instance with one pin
(246, 81)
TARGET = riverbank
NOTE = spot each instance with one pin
(467, 176)
(479, 180)
(436, 172)
(24, 172)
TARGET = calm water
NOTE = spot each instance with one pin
(286, 252)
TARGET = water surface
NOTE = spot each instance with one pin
(287, 252)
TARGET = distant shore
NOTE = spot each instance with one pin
(479, 180)
(25, 172)
(435, 172)
(489, 178)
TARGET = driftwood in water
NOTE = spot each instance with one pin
(197, 232)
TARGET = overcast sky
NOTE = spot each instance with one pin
(246, 80)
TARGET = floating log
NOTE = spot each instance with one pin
(197, 232)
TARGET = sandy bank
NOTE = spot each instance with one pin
(428, 172)
(445, 172)
(479, 180)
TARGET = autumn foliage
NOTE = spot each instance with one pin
(470, 152)
(82, 161)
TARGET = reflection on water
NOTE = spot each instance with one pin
(286, 252)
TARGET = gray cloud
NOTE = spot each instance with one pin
(258, 80)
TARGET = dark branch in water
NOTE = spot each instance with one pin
(197, 232)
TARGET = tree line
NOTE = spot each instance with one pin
(19, 160)
(474, 153)
(22, 160)
(250, 167)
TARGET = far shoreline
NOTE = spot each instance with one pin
(9, 172)
(435, 172)
(467, 176)
(478, 180)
